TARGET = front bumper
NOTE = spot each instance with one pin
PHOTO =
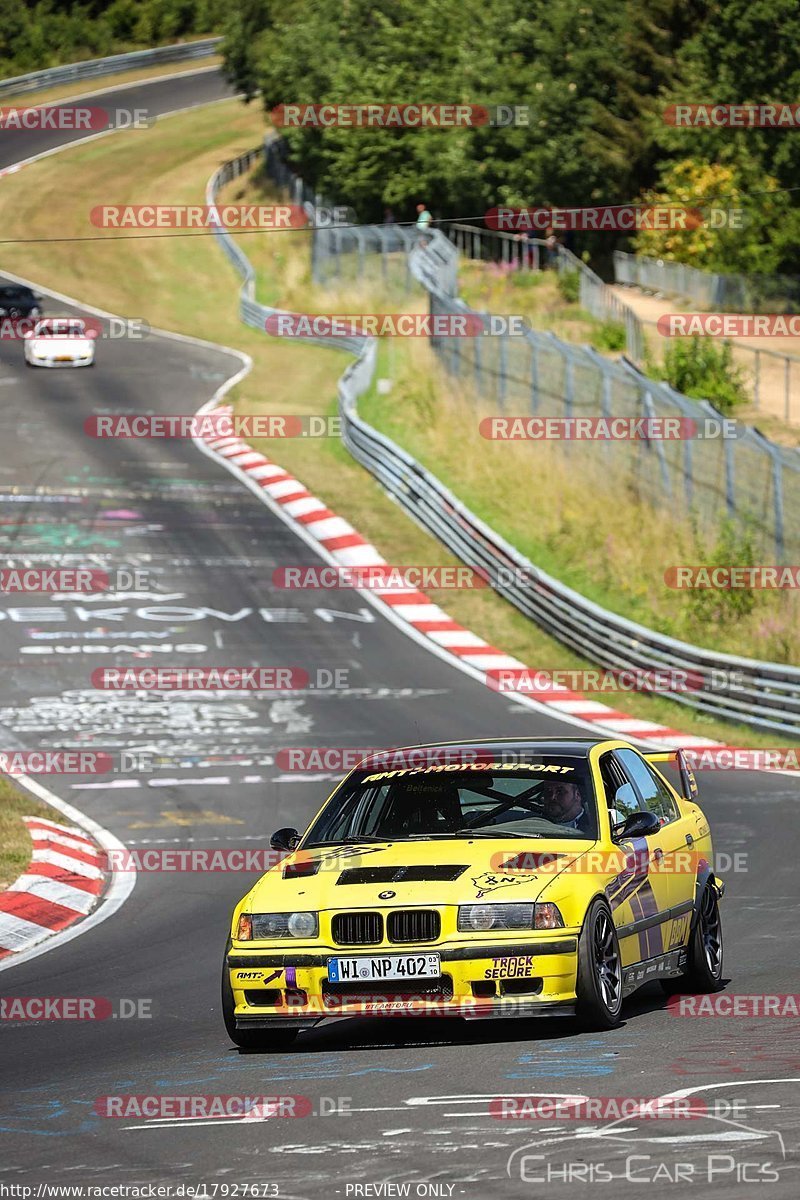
(62, 362)
(499, 979)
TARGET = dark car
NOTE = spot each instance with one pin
(19, 301)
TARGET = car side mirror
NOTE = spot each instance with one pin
(284, 839)
(638, 824)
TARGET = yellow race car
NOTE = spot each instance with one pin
(508, 878)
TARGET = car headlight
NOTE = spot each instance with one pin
(278, 925)
(480, 918)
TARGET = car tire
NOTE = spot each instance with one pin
(599, 982)
(250, 1039)
(704, 954)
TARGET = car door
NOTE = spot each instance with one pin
(671, 872)
(636, 897)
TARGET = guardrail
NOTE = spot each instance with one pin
(95, 68)
(763, 694)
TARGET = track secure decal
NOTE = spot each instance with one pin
(520, 967)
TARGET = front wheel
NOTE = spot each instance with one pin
(599, 984)
(250, 1039)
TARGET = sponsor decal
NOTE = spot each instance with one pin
(515, 967)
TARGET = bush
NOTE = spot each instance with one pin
(569, 285)
(712, 608)
(610, 335)
(704, 370)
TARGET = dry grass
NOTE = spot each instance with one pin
(15, 842)
(571, 515)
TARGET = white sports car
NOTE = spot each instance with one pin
(57, 342)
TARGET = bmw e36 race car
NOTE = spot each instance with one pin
(510, 878)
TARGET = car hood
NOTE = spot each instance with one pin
(400, 873)
(59, 345)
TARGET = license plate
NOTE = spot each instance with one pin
(394, 966)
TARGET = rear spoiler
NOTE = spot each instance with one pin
(688, 781)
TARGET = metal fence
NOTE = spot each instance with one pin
(709, 289)
(95, 68)
(763, 694)
(725, 293)
(595, 296)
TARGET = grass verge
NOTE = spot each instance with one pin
(15, 841)
(191, 288)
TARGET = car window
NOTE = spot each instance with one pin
(550, 799)
(654, 795)
(621, 798)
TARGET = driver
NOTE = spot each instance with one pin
(563, 804)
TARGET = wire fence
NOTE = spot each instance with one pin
(709, 289)
(743, 476)
(770, 372)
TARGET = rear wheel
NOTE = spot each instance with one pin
(599, 984)
(703, 972)
(250, 1039)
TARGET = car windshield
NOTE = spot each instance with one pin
(13, 293)
(65, 328)
(551, 798)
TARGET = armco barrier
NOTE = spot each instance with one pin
(95, 68)
(756, 693)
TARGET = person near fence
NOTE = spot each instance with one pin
(551, 243)
(529, 257)
(424, 219)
